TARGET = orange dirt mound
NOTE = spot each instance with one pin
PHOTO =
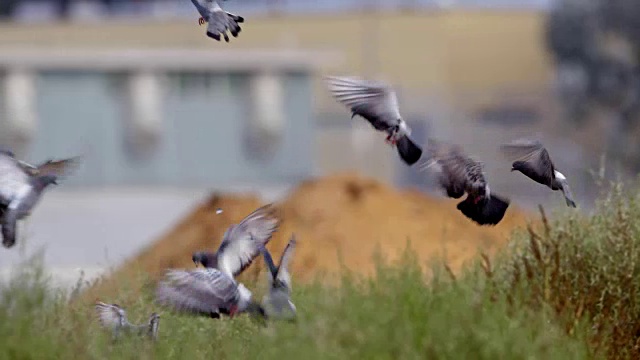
(345, 214)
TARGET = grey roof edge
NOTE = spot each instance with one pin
(168, 59)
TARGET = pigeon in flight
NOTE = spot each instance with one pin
(377, 103)
(114, 317)
(205, 291)
(277, 303)
(533, 160)
(219, 20)
(21, 186)
(241, 243)
(459, 174)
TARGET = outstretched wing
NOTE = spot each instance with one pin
(241, 243)
(273, 269)
(197, 291)
(374, 101)
(282, 274)
(110, 315)
(58, 168)
(451, 164)
(219, 21)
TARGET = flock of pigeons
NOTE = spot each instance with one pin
(456, 172)
(212, 290)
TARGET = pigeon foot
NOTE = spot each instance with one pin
(233, 310)
(391, 141)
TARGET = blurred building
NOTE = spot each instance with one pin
(162, 112)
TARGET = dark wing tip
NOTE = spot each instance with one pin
(213, 36)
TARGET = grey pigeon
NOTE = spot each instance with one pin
(241, 243)
(533, 161)
(459, 174)
(114, 317)
(205, 291)
(21, 186)
(219, 20)
(377, 103)
(277, 303)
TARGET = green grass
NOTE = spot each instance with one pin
(568, 289)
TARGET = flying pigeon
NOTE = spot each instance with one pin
(219, 20)
(241, 243)
(277, 303)
(534, 162)
(459, 174)
(21, 186)
(205, 291)
(377, 103)
(114, 317)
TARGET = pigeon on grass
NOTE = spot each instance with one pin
(114, 317)
(219, 21)
(533, 160)
(22, 185)
(377, 103)
(459, 174)
(277, 303)
(205, 291)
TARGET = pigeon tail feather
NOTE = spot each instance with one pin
(409, 151)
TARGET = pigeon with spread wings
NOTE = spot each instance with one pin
(219, 21)
(114, 317)
(205, 291)
(533, 160)
(377, 103)
(277, 303)
(241, 242)
(458, 174)
(21, 186)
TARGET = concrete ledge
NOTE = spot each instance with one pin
(170, 59)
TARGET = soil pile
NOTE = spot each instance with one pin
(337, 219)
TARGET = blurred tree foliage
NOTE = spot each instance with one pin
(596, 48)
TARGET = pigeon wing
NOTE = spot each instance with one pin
(58, 168)
(110, 315)
(273, 270)
(283, 267)
(220, 21)
(241, 243)
(374, 101)
(454, 176)
(197, 291)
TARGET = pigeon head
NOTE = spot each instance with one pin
(203, 258)
(518, 166)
